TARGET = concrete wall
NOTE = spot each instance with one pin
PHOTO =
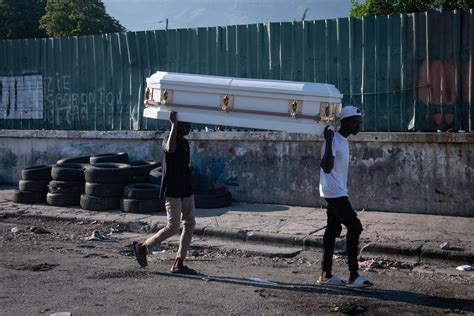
(395, 172)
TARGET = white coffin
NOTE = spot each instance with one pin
(299, 107)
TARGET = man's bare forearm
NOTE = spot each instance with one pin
(171, 144)
(327, 162)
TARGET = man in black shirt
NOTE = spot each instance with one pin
(176, 188)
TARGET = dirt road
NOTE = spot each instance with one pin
(49, 266)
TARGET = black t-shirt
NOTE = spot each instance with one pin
(176, 180)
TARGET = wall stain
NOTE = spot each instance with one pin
(8, 159)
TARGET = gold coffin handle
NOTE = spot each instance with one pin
(166, 96)
(227, 102)
(295, 107)
(148, 99)
(329, 112)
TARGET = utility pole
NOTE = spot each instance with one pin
(166, 24)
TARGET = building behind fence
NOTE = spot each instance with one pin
(407, 72)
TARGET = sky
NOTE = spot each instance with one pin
(137, 15)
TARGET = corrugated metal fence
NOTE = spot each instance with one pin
(407, 72)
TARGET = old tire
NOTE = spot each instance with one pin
(96, 203)
(63, 199)
(27, 197)
(214, 199)
(142, 191)
(143, 167)
(34, 186)
(111, 157)
(83, 159)
(108, 173)
(141, 179)
(71, 172)
(104, 190)
(66, 187)
(142, 206)
(36, 173)
(155, 175)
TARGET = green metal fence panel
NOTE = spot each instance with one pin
(406, 72)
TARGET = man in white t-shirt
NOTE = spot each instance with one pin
(333, 188)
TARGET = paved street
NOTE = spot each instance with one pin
(49, 266)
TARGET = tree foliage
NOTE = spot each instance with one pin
(388, 7)
(77, 17)
(20, 18)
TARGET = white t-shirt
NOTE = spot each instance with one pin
(334, 184)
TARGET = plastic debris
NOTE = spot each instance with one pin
(117, 229)
(97, 236)
(464, 268)
(366, 264)
(158, 252)
(15, 230)
(445, 246)
(39, 230)
(370, 264)
(262, 281)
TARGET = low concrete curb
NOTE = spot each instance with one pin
(436, 253)
(420, 250)
(146, 225)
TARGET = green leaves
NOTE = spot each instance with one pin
(20, 18)
(78, 17)
(389, 7)
(40, 18)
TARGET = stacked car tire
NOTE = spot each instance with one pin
(155, 175)
(142, 198)
(67, 185)
(141, 170)
(106, 177)
(111, 157)
(33, 185)
(98, 183)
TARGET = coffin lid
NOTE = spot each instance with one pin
(170, 79)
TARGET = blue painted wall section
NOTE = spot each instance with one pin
(211, 169)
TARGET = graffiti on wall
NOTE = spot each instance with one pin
(67, 105)
(21, 97)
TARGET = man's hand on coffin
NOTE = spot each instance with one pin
(174, 118)
(328, 134)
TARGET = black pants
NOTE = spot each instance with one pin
(340, 211)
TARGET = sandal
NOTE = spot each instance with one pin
(179, 268)
(360, 283)
(140, 254)
(332, 281)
